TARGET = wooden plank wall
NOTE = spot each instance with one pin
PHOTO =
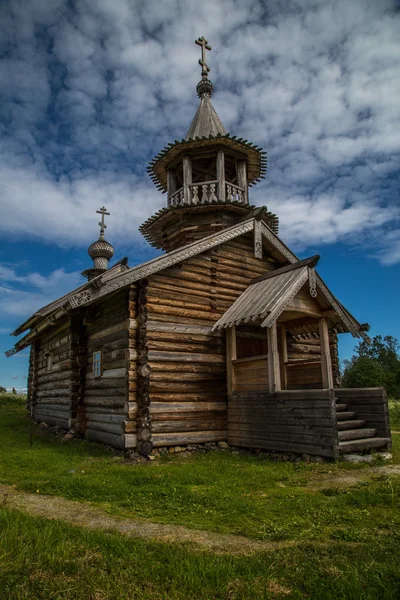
(304, 357)
(251, 374)
(108, 329)
(289, 421)
(188, 373)
(370, 404)
(51, 391)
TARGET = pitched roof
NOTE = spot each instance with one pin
(206, 122)
(267, 297)
(101, 286)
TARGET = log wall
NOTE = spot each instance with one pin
(297, 421)
(105, 398)
(51, 390)
(187, 363)
(304, 362)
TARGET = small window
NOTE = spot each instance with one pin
(97, 370)
(49, 364)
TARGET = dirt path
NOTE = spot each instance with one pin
(86, 515)
(349, 478)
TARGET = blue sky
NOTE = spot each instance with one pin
(91, 90)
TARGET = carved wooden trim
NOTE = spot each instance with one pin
(276, 242)
(290, 294)
(161, 263)
(258, 246)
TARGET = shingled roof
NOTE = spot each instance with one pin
(206, 122)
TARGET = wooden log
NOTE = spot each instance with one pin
(187, 407)
(194, 437)
(213, 347)
(42, 414)
(53, 421)
(95, 425)
(200, 396)
(54, 400)
(180, 376)
(181, 328)
(159, 356)
(127, 324)
(110, 373)
(189, 425)
(102, 401)
(96, 409)
(100, 383)
(115, 440)
(65, 365)
(119, 391)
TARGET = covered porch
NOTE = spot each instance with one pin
(283, 373)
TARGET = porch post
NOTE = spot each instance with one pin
(274, 376)
(283, 356)
(187, 178)
(326, 363)
(171, 184)
(221, 175)
(231, 354)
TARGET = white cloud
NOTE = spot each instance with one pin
(24, 294)
(90, 94)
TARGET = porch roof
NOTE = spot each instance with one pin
(267, 297)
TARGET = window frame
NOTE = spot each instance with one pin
(97, 364)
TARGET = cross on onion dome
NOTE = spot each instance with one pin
(103, 226)
(202, 42)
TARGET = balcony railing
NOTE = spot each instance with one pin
(234, 193)
(203, 192)
(176, 199)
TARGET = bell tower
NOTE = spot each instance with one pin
(206, 175)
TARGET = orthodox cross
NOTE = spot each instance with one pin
(202, 42)
(103, 226)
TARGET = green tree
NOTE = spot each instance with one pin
(375, 364)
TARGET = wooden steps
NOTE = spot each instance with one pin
(345, 416)
(363, 444)
(352, 424)
(353, 434)
(356, 434)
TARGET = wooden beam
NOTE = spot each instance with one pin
(283, 356)
(274, 376)
(242, 178)
(187, 178)
(326, 363)
(221, 175)
(231, 354)
(171, 184)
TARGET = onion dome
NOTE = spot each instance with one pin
(100, 251)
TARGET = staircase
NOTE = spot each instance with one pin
(354, 435)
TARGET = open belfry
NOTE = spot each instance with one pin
(227, 336)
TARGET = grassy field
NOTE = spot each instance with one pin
(345, 536)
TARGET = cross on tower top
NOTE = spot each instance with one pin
(103, 226)
(202, 42)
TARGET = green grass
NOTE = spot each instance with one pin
(394, 408)
(49, 560)
(348, 537)
(221, 492)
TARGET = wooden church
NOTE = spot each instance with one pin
(227, 336)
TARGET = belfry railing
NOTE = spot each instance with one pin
(203, 192)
